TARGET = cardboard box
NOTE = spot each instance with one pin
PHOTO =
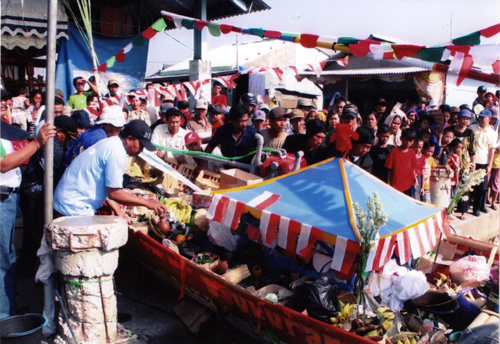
(234, 178)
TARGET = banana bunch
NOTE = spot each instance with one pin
(387, 314)
(407, 341)
(345, 313)
(442, 280)
(180, 209)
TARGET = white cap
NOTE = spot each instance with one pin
(112, 115)
(201, 104)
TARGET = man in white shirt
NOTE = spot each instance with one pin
(484, 142)
(200, 122)
(170, 135)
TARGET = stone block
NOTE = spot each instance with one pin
(89, 264)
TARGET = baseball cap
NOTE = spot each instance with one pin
(381, 101)
(217, 110)
(259, 115)
(297, 113)
(201, 104)
(112, 82)
(112, 115)
(58, 92)
(455, 109)
(277, 112)
(81, 117)
(481, 89)
(191, 137)
(165, 106)
(485, 113)
(141, 131)
(464, 106)
(464, 113)
(264, 107)
(304, 102)
(67, 125)
(350, 110)
(249, 99)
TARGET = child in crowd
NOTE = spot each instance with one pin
(428, 152)
(454, 162)
(443, 141)
(380, 151)
(418, 146)
(402, 164)
(494, 181)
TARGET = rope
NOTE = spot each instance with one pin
(177, 151)
(444, 303)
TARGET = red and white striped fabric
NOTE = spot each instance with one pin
(115, 100)
(344, 254)
(288, 233)
(317, 67)
(422, 238)
(380, 253)
(228, 80)
(268, 227)
(263, 201)
(226, 211)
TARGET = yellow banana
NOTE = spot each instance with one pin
(342, 305)
(382, 309)
(444, 278)
(387, 325)
(407, 341)
(413, 341)
(399, 342)
(187, 216)
(340, 326)
(334, 320)
(389, 316)
(342, 319)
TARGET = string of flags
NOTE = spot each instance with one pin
(480, 47)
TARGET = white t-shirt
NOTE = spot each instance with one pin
(484, 140)
(82, 189)
(161, 136)
(11, 179)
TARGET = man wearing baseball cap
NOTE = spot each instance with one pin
(113, 87)
(481, 90)
(350, 116)
(97, 174)
(485, 139)
(380, 108)
(109, 124)
(200, 122)
(275, 135)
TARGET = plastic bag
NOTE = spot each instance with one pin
(396, 284)
(470, 269)
(322, 302)
(222, 236)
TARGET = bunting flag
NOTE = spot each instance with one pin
(380, 253)
(288, 233)
(263, 201)
(360, 47)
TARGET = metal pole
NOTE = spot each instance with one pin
(49, 102)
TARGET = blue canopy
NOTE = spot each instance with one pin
(322, 196)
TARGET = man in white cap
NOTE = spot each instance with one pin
(113, 88)
(109, 124)
(200, 122)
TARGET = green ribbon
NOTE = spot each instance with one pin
(196, 153)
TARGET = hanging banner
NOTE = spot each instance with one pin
(74, 60)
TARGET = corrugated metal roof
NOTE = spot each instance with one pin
(371, 71)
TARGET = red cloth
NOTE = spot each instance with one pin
(403, 166)
(219, 100)
(342, 137)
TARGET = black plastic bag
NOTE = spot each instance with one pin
(321, 299)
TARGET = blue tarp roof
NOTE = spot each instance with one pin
(316, 196)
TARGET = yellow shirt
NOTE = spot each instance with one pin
(429, 165)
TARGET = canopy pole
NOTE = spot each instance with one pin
(49, 101)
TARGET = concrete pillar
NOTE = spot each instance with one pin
(200, 70)
(86, 254)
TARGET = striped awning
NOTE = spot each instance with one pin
(315, 203)
(24, 23)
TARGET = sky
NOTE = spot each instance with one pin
(422, 22)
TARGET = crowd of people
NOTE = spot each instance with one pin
(400, 146)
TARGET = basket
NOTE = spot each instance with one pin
(208, 180)
(172, 185)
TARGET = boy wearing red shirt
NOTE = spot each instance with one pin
(402, 164)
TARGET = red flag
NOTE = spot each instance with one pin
(402, 50)
(490, 31)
